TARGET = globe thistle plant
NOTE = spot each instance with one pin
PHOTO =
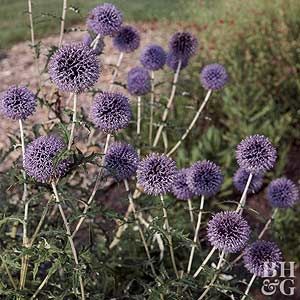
(39, 161)
(240, 179)
(127, 39)
(156, 174)
(204, 178)
(105, 19)
(213, 77)
(282, 193)
(183, 45)
(256, 154)
(172, 62)
(87, 40)
(121, 161)
(180, 188)
(262, 257)
(110, 111)
(228, 231)
(153, 57)
(17, 103)
(138, 81)
(74, 68)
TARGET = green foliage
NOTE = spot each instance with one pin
(262, 97)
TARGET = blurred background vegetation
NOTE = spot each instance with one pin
(259, 43)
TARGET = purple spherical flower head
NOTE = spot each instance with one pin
(262, 258)
(282, 193)
(256, 154)
(39, 161)
(180, 187)
(156, 174)
(87, 41)
(228, 231)
(127, 39)
(183, 45)
(240, 179)
(213, 77)
(172, 62)
(74, 68)
(111, 111)
(121, 161)
(204, 178)
(153, 57)
(138, 81)
(105, 19)
(17, 103)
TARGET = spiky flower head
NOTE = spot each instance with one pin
(172, 62)
(183, 45)
(282, 193)
(156, 174)
(240, 179)
(127, 39)
(180, 187)
(17, 103)
(105, 19)
(138, 81)
(256, 154)
(40, 160)
(204, 178)
(153, 57)
(228, 231)
(110, 111)
(121, 161)
(87, 40)
(74, 68)
(262, 258)
(213, 77)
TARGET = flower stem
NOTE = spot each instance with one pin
(261, 234)
(73, 121)
(191, 213)
(267, 225)
(139, 120)
(116, 69)
(209, 255)
(248, 287)
(169, 104)
(33, 41)
(96, 186)
(68, 231)
(8, 273)
(192, 124)
(139, 227)
(196, 235)
(244, 195)
(26, 209)
(169, 235)
(62, 22)
(151, 107)
(215, 276)
(95, 41)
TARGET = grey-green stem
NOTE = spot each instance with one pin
(115, 71)
(151, 107)
(242, 202)
(192, 124)
(70, 239)
(215, 276)
(96, 186)
(73, 121)
(169, 104)
(196, 235)
(248, 287)
(169, 236)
